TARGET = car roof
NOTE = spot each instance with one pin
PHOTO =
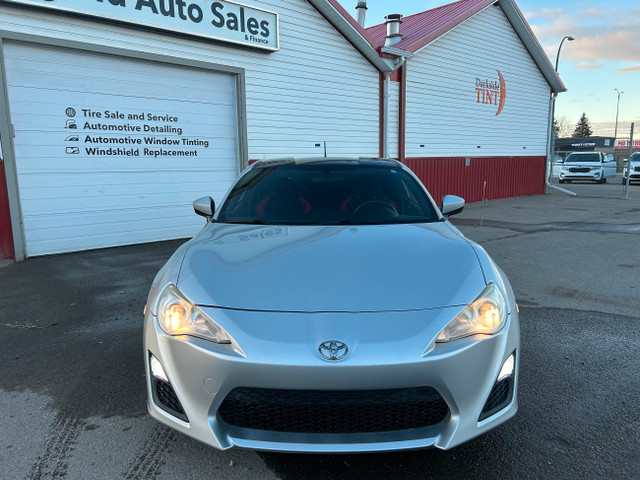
(330, 160)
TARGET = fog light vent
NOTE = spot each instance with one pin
(502, 391)
(166, 398)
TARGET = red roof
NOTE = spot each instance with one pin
(422, 28)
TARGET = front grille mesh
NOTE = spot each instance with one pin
(333, 411)
(499, 397)
(166, 398)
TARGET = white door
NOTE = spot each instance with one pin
(112, 150)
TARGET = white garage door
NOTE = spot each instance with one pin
(111, 150)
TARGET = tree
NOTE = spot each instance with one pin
(562, 127)
(583, 128)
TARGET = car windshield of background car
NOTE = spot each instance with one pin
(583, 157)
(327, 193)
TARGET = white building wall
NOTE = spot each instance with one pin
(394, 118)
(443, 115)
(317, 88)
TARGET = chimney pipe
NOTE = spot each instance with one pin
(393, 29)
(361, 9)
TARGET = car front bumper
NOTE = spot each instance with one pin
(388, 351)
(593, 175)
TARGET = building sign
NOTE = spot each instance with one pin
(103, 133)
(624, 144)
(492, 92)
(583, 144)
(213, 19)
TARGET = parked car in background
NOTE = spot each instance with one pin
(330, 306)
(556, 165)
(588, 166)
(633, 165)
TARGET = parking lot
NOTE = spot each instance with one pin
(72, 383)
(614, 188)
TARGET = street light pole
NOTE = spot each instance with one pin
(615, 135)
(567, 37)
(552, 132)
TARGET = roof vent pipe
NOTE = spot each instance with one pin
(361, 9)
(393, 29)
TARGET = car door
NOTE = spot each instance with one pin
(610, 166)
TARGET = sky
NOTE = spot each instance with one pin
(605, 54)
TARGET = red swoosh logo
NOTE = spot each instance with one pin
(503, 93)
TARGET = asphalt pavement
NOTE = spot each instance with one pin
(72, 379)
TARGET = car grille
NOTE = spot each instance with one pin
(579, 169)
(333, 411)
(636, 169)
(499, 397)
(166, 398)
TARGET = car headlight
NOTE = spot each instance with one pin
(177, 315)
(486, 315)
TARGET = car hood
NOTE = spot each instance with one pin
(330, 268)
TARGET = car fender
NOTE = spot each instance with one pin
(493, 273)
(168, 274)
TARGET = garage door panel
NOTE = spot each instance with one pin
(56, 156)
(207, 179)
(95, 200)
(78, 72)
(84, 225)
(89, 177)
(44, 113)
(79, 242)
(30, 100)
(123, 196)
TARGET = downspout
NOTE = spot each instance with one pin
(385, 114)
(402, 114)
(550, 132)
(401, 58)
(394, 36)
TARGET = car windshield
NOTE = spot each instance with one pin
(327, 193)
(583, 157)
(635, 157)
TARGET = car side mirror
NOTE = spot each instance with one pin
(451, 205)
(205, 207)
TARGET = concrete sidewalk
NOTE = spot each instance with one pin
(561, 251)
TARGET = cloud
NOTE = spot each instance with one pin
(601, 34)
(628, 70)
(588, 66)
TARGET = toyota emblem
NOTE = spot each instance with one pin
(333, 350)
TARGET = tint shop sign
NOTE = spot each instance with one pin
(214, 19)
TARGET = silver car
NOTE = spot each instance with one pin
(330, 306)
(633, 166)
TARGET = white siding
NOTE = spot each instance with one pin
(394, 117)
(316, 88)
(442, 109)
